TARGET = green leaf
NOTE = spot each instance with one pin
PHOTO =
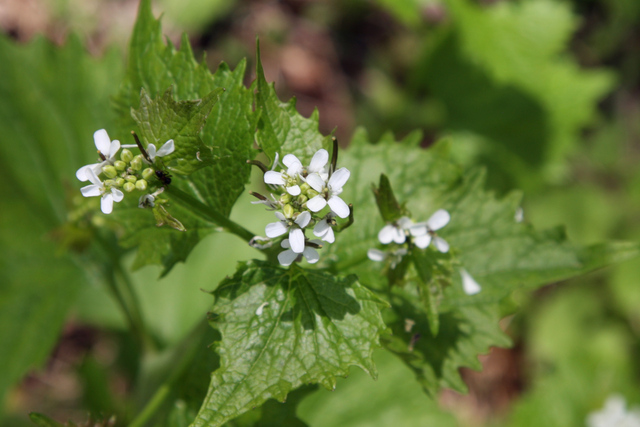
(163, 119)
(52, 99)
(281, 128)
(386, 200)
(43, 420)
(500, 74)
(285, 328)
(228, 134)
(500, 253)
(435, 360)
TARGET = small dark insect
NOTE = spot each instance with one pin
(163, 176)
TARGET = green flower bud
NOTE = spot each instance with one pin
(126, 155)
(128, 187)
(311, 193)
(109, 182)
(288, 211)
(302, 199)
(148, 173)
(305, 187)
(109, 171)
(141, 184)
(136, 163)
(120, 165)
(130, 178)
(120, 182)
(285, 198)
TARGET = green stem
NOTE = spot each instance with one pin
(185, 354)
(208, 213)
(131, 304)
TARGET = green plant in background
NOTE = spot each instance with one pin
(422, 267)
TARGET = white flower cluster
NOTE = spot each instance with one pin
(125, 173)
(615, 414)
(302, 194)
(421, 233)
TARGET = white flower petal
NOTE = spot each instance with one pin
(117, 195)
(376, 255)
(83, 175)
(275, 229)
(338, 206)
(102, 141)
(418, 230)
(294, 190)
(276, 162)
(329, 237)
(338, 179)
(93, 177)
(399, 237)
(316, 182)
(321, 228)
(293, 164)
(319, 160)
(151, 151)
(280, 216)
(285, 244)
(303, 219)
(422, 241)
(405, 222)
(91, 190)
(106, 203)
(113, 148)
(166, 149)
(287, 257)
(386, 234)
(469, 285)
(441, 244)
(438, 220)
(273, 177)
(311, 255)
(316, 204)
(296, 240)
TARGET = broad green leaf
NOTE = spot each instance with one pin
(228, 134)
(388, 206)
(162, 119)
(435, 360)
(500, 73)
(282, 329)
(52, 99)
(500, 253)
(281, 128)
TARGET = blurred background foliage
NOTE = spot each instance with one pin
(544, 93)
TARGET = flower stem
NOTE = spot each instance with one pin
(209, 214)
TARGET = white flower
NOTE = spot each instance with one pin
(329, 192)
(395, 256)
(424, 232)
(324, 229)
(519, 216)
(296, 235)
(318, 163)
(288, 257)
(107, 150)
(97, 188)
(614, 414)
(271, 205)
(288, 179)
(469, 285)
(395, 232)
(166, 149)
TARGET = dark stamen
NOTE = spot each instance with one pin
(259, 164)
(257, 195)
(142, 150)
(334, 156)
(314, 245)
(102, 156)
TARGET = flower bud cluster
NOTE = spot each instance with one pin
(301, 195)
(126, 172)
(404, 230)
